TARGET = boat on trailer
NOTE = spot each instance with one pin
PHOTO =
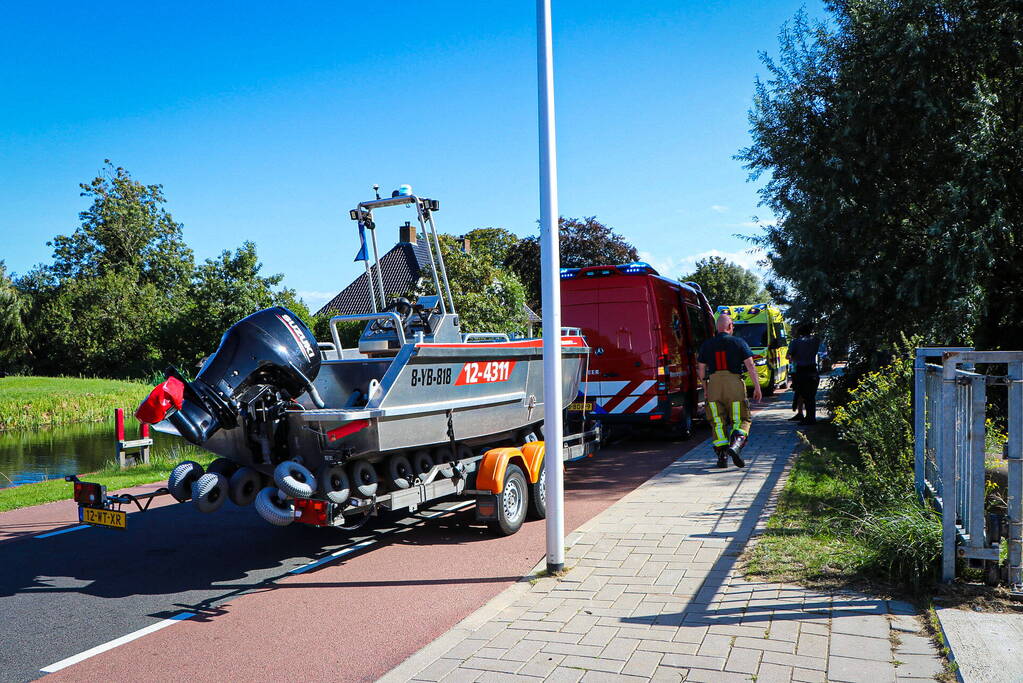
(318, 433)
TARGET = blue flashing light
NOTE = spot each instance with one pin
(637, 267)
(569, 273)
(404, 190)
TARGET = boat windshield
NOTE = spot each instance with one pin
(754, 334)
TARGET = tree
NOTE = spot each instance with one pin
(12, 326)
(725, 283)
(104, 304)
(891, 139)
(492, 244)
(583, 242)
(224, 290)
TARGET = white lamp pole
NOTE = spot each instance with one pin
(550, 280)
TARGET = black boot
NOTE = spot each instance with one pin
(736, 445)
(720, 451)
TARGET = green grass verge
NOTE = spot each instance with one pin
(29, 402)
(111, 476)
(825, 533)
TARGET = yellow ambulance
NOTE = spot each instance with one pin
(765, 330)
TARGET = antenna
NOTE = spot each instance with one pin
(376, 190)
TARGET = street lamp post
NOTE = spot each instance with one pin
(550, 281)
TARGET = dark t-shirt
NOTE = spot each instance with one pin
(724, 352)
(803, 351)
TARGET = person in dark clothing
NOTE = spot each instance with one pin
(720, 364)
(805, 380)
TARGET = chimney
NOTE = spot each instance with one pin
(466, 247)
(407, 233)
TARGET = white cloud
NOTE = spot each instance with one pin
(315, 300)
(718, 208)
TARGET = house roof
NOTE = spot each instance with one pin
(400, 269)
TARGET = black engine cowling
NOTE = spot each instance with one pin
(270, 348)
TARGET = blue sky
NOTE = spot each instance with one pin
(267, 122)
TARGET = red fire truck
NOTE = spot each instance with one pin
(644, 331)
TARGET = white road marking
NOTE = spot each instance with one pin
(92, 652)
(370, 541)
(63, 531)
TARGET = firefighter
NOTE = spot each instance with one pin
(721, 362)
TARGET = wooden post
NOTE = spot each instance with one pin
(119, 419)
(144, 435)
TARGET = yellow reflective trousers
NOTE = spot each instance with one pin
(727, 406)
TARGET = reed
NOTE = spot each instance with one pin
(30, 402)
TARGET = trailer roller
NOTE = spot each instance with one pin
(209, 492)
(243, 486)
(295, 480)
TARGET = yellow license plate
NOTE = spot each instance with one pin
(580, 406)
(112, 518)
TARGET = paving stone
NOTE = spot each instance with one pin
(716, 645)
(912, 644)
(564, 675)
(572, 649)
(599, 635)
(593, 663)
(906, 623)
(462, 676)
(500, 677)
(860, 647)
(541, 665)
(810, 645)
(438, 669)
(742, 660)
(669, 647)
(553, 637)
(491, 665)
(465, 649)
(523, 651)
(620, 648)
(783, 629)
(694, 662)
(798, 661)
(581, 623)
(642, 663)
(774, 673)
(870, 626)
(765, 644)
(668, 674)
(808, 676)
(918, 666)
(709, 676)
(605, 677)
(848, 670)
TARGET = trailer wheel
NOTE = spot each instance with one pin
(223, 466)
(422, 461)
(538, 496)
(365, 477)
(209, 492)
(274, 508)
(294, 480)
(445, 456)
(243, 486)
(181, 477)
(399, 469)
(511, 502)
(335, 484)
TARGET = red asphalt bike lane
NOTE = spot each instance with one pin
(358, 617)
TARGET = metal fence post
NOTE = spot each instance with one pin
(919, 421)
(946, 457)
(1014, 454)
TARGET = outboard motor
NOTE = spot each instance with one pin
(270, 350)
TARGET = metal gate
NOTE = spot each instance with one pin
(950, 409)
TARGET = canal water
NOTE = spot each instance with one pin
(37, 454)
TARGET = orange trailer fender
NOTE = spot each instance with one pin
(533, 452)
(490, 476)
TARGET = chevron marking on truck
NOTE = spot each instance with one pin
(624, 397)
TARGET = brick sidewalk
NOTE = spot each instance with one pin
(652, 593)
